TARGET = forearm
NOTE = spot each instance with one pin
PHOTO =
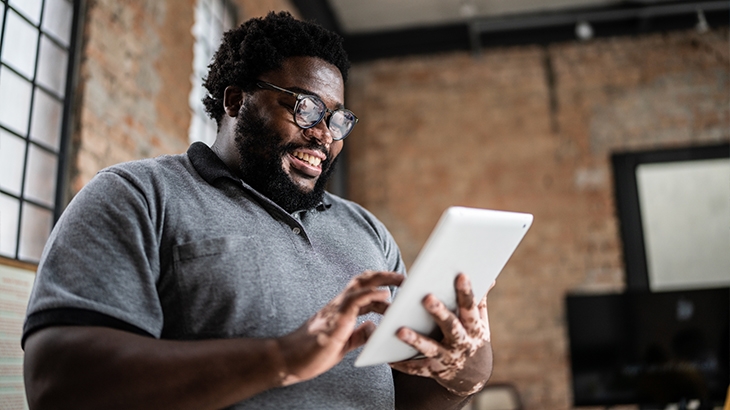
(423, 393)
(94, 367)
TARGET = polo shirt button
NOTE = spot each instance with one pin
(296, 231)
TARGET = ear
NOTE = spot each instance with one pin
(232, 98)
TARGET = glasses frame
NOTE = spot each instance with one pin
(300, 96)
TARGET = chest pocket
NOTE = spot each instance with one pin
(221, 289)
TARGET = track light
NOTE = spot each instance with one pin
(584, 30)
(702, 26)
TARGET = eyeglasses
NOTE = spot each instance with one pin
(309, 110)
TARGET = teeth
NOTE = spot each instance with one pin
(312, 160)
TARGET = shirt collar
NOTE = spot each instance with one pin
(207, 163)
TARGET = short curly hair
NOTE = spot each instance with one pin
(262, 44)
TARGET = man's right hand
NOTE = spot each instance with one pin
(324, 339)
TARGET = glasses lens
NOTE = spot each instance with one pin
(309, 111)
(341, 123)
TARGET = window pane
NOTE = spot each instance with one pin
(205, 19)
(57, 19)
(45, 126)
(201, 23)
(211, 131)
(218, 9)
(216, 34)
(229, 19)
(30, 8)
(19, 45)
(34, 230)
(212, 18)
(52, 66)
(201, 59)
(12, 154)
(15, 101)
(9, 212)
(40, 179)
(2, 16)
(196, 93)
(205, 14)
(197, 128)
(203, 128)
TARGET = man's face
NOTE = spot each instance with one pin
(288, 164)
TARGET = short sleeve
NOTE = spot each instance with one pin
(101, 260)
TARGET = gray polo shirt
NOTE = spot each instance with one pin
(177, 247)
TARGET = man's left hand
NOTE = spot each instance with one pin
(462, 361)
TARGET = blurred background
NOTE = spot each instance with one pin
(608, 120)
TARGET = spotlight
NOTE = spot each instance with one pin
(584, 30)
(702, 26)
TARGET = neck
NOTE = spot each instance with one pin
(225, 145)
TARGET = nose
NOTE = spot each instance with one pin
(321, 133)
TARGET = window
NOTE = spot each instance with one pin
(36, 49)
(212, 19)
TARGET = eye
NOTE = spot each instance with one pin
(289, 105)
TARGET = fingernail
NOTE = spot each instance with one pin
(405, 334)
(431, 302)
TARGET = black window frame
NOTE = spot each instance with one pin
(68, 99)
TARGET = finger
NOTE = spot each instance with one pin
(485, 318)
(483, 308)
(373, 279)
(359, 336)
(468, 310)
(427, 347)
(354, 300)
(464, 293)
(338, 320)
(446, 320)
(377, 307)
(416, 367)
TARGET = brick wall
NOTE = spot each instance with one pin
(531, 129)
(133, 100)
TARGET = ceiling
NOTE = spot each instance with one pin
(386, 28)
(357, 16)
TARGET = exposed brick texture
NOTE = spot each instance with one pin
(133, 88)
(531, 129)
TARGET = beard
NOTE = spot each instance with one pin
(261, 156)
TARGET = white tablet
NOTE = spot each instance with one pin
(476, 242)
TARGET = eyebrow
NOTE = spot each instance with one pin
(299, 90)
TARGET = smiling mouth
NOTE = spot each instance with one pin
(310, 159)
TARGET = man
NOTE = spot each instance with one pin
(227, 276)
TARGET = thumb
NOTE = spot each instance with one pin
(359, 336)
